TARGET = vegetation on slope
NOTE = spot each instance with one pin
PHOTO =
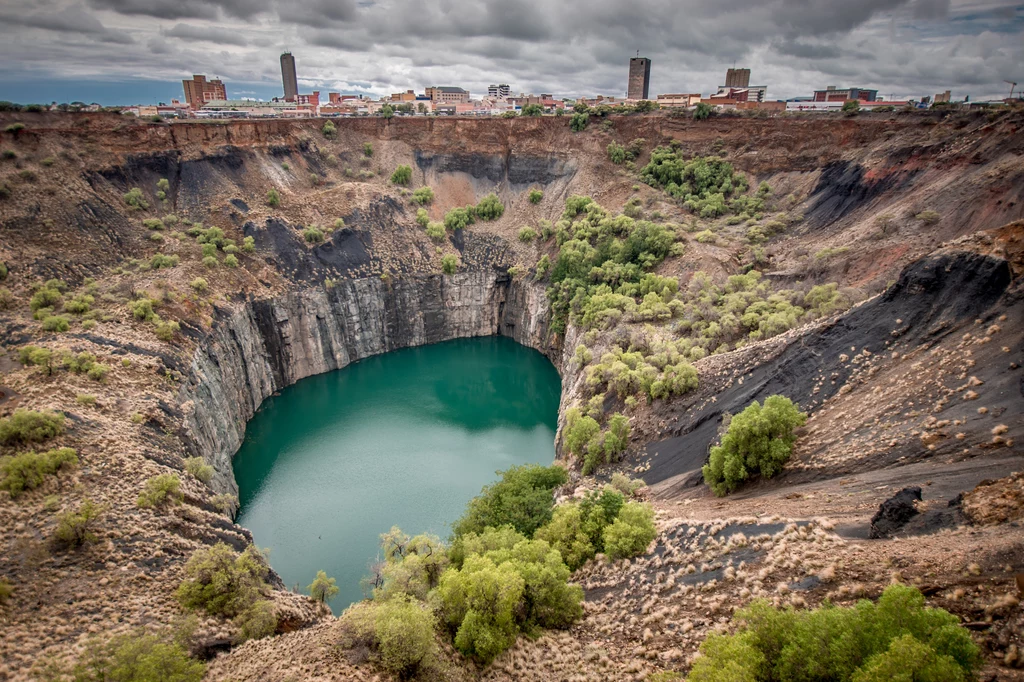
(896, 639)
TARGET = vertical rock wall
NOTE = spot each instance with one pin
(269, 344)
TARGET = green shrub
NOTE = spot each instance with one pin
(136, 657)
(57, 324)
(199, 469)
(536, 196)
(142, 309)
(423, 196)
(579, 431)
(758, 441)
(490, 208)
(210, 262)
(166, 329)
(258, 620)
(28, 470)
(88, 324)
(15, 127)
(522, 498)
(248, 244)
(3, 271)
(543, 265)
(36, 356)
(422, 217)
(506, 584)
(398, 632)
(527, 235)
(86, 399)
(153, 224)
(273, 198)
(928, 217)
(46, 297)
(702, 111)
(135, 199)
(436, 231)
(631, 532)
(449, 264)
(616, 153)
(6, 591)
(402, 175)
(458, 218)
(367, 149)
(578, 122)
(79, 305)
(626, 485)
(223, 583)
(159, 490)
(329, 130)
(29, 426)
(161, 260)
(896, 639)
(199, 285)
(75, 528)
(231, 260)
(576, 529)
(313, 234)
(97, 372)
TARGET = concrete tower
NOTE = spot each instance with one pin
(639, 78)
(291, 84)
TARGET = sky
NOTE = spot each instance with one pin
(137, 51)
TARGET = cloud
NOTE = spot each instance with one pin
(185, 9)
(73, 19)
(209, 34)
(569, 47)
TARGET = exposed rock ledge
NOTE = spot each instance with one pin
(269, 344)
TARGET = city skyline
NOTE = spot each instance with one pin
(130, 51)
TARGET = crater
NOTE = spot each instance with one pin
(405, 438)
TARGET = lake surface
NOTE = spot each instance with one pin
(405, 438)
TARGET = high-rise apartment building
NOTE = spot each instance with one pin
(199, 91)
(737, 78)
(639, 78)
(291, 83)
(500, 91)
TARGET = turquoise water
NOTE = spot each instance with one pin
(405, 438)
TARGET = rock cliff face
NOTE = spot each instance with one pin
(268, 344)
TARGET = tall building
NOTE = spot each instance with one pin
(291, 83)
(500, 91)
(737, 78)
(446, 95)
(199, 91)
(639, 78)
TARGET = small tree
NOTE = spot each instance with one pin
(161, 489)
(532, 110)
(758, 441)
(387, 111)
(702, 111)
(75, 529)
(402, 175)
(329, 130)
(851, 106)
(322, 589)
(578, 122)
(449, 264)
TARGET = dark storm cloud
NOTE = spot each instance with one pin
(185, 9)
(206, 33)
(568, 47)
(74, 19)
